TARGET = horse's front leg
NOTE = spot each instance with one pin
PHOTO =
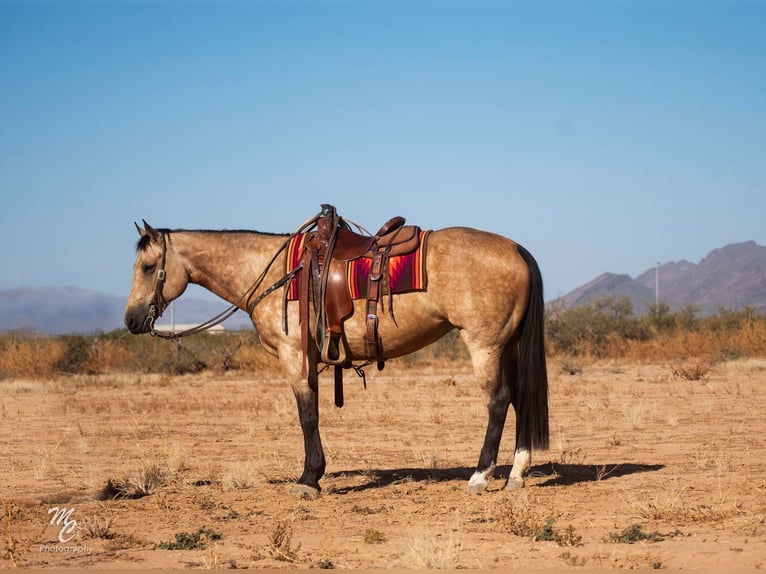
(306, 392)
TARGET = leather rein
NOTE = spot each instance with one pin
(159, 304)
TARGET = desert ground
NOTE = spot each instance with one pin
(650, 466)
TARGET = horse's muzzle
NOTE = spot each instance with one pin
(139, 323)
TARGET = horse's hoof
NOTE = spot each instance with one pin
(477, 484)
(514, 483)
(305, 491)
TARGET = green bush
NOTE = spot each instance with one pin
(609, 328)
(589, 329)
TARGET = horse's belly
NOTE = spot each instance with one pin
(416, 326)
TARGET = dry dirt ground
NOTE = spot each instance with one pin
(646, 469)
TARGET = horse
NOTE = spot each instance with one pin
(486, 286)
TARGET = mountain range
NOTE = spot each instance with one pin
(733, 276)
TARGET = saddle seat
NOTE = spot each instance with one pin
(393, 235)
(327, 252)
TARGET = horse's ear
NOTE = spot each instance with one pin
(149, 230)
(141, 232)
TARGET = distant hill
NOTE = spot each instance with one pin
(733, 276)
(62, 310)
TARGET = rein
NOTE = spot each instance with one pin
(158, 301)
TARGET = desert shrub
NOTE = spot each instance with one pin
(41, 357)
(633, 534)
(77, 350)
(191, 540)
(106, 356)
(607, 328)
(450, 348)
(31, 357)
(686, 318)
(234, 350)
(591, 329)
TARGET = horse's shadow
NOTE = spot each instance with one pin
(555, 473)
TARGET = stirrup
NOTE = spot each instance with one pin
(333, 350)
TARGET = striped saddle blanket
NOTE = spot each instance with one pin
(406, 273)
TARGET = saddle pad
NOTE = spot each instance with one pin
(405, 272)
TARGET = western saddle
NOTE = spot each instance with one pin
(326, 254)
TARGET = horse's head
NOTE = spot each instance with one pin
(158, 278)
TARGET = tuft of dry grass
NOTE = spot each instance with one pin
(96, 528)
(240, 476)
(372, 536)
(280, 546)
(176, 458)
(136, 484)
(42, 466)
(695, 372)
(519, 515)
(428, 549)
(676, 504)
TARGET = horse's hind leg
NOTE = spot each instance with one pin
(522, 459)
(487, 367)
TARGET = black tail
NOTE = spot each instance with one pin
(532, 380)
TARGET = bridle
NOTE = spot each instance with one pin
(158, 301)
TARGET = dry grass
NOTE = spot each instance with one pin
(521, 516)
(373, 536)
(146, 480)
(677, 503)
(713, 339)
(281, 546)
(432, 549)
(31, 358)
(251, 357)
(694, 372)
(100, 528)
(632, 444)
(747, 340)
(106, 356)
(240, 476)
(16, 540)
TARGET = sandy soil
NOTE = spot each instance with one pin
(646, 470)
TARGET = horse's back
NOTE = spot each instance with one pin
(472, 243)
(477, 275)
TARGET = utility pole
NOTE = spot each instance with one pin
(657, 290)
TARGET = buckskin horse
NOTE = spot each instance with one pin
(485, 285)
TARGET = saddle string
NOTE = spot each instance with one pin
(358, 369)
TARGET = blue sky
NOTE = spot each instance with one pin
(604, 135)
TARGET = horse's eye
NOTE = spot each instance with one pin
(149, 268)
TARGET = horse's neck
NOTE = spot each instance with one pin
(227, 263)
